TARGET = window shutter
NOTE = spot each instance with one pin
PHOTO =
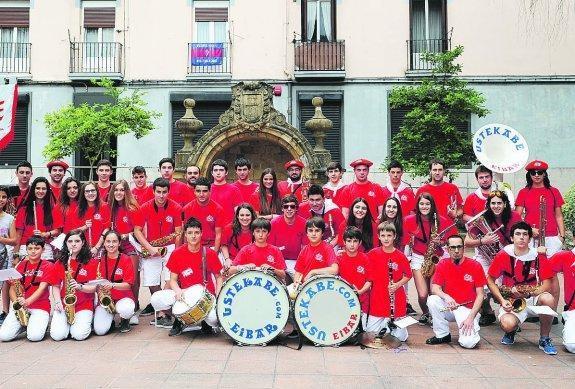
(211, 14)
(17, 150)
(14, 17)
(100, 17)
(332, 110)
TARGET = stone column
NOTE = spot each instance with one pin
(319, 125)
(187, 125)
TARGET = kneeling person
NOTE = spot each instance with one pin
(190, 264)
(457, 296)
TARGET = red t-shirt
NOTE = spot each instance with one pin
(234, 244)
(334, 193)
(269, 254)
(379, 264)
(460, 281)
(297, 189)
(421, 238)
(143, 195)
(289, 238)
(374, 237)
(188, 266)
(56, 192)
(370, 191)
(564, 261)
(18, 200)
(442, 194)
(180, 193)
(474, 204)
(246, 190)
(315, 257)
(100, 221)
(104, 192)
(118, 270)
(124, 219)
(28, 229)
(159, 221)
(529, 199)
(82, 274)
(331, 214)
(33, 274)
(228, 196)
(501, 266)
(405, 196)
(355, 271)
(210, 215)
(254, 201)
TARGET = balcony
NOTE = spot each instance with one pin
(319, 59)
(415, 49)
(95, 60)
(15, 59)
(209, 61)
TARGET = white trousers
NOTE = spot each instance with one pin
(569, 330)
(524, 314)
(376, 324)
(103, 319)
(163, 300)
(37, 324)
(79, 330)
(441, 321)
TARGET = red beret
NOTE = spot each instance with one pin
(57, 162)
(293, 162)
(537, 165)
(361, 161)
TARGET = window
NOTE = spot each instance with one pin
(14, 41)
(99, 24)
(17, 150)
(318, 20)
(210, 50)
(428, 25)
(332, 109)
(211, 25)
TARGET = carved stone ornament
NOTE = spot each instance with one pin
(188, 125)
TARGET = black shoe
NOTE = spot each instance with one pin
(206, 328)
(176, 328)
(487, 319)
(410, 310)
(2, 317)
(534, 319)
(425, 319)
(125, 325)
(555, 321)
(112, 327)
(436, 340)
(149, 310)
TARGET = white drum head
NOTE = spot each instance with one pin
(500, 148)
(253, 307)
(327, 310)
(179, 308)
(191, 296)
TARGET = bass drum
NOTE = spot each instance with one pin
(327, 310)
(195, 306)
(253, 307)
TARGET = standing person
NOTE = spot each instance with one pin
(8, 237)
(57, 169)
(446, 195)
(361, 187)
(244, 183)
(160, 219)
(117, 269)
(419, 229)
(317, 205)
(475, 202)
(104, 172)
(75, 258)
(125, 212)
(36, 216)
(294, 184)
(23, 175)
(266, 200)
(142, 191)
(333, 188)
(227, 196)
(237, 234)
(288, 232)
(70, 194)
(389, 272)
(191, 175)
(186, 266)
(360, 217)
(34, 294)
(398, 189)
(208, 212)
(564, 262)
(457, 285)
(522, 268)
(179, 192)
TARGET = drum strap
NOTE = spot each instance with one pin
(204, 266)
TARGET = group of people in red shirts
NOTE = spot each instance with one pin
(110, 239)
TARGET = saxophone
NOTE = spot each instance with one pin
(519, 304)
(70, 298)
(104, 296)
(160, 243)
(430, 258)
(22, 313)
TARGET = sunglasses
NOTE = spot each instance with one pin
(289, 206)
(537, 172)
(458, 247)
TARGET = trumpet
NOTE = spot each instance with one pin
(487, 251)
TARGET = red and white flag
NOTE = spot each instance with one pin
(8, 102)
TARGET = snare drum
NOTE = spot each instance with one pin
(327, 310)
(195, 305)
(253, 307)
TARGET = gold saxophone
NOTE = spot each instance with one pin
(22, 313)
(160, 243)
(519, 304)
(104, 296)
(70, 298)
(430, 259)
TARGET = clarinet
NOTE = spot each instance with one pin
(391, 295)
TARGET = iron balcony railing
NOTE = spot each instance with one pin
(15, 57)
(209, 58)
(95, 57)
(416, 48)
(319, 56)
